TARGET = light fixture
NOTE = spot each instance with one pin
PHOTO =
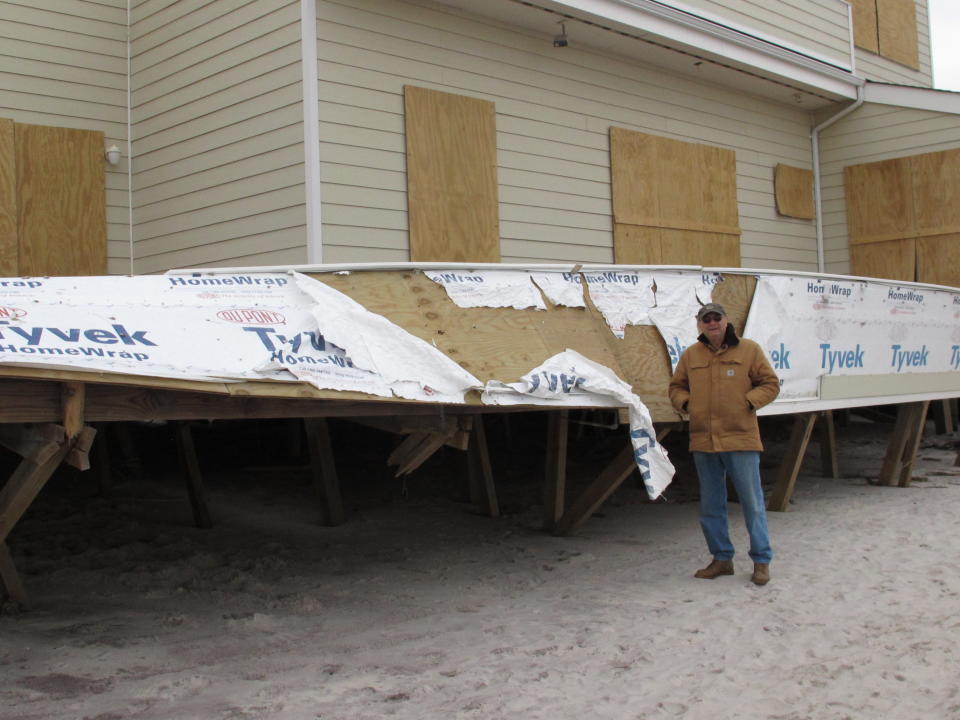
(561, 39)
(112, 154)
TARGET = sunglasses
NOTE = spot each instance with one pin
(711, 317)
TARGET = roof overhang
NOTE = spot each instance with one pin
(663, 36)
(917, 98)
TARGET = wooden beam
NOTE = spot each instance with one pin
(187, 453)
(943, 417)
(599, 490)
(24, 485)
(556, 470)
(324, 471)
(792, 459)
(828, 445)
(483, 491)
(72, 399)
(35, 442)
(79, 455)
(903, 443)
(10, 580)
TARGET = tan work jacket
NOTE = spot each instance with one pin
(722, 390)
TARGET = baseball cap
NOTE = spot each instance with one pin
(711, 308)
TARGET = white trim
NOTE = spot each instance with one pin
(648, 17)
(918, 98)
(311, 130)
(539, 267)
(719, 19)
(817, 192)
(129, 143)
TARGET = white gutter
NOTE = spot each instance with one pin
(817, 194)
(311, 130)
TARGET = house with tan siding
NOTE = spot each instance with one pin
(255, 133)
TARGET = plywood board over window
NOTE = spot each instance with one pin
(897, 31)
(888, 28)
(793, 188)
(61, 205)
(451, 177)
(674, 202)
(865, 24)
(903, 220)
(9, 248)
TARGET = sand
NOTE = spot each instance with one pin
(419, 608)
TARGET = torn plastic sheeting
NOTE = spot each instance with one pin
(496, 288)
(623, 298)
(679, 296)
(409, 366)
(561, 288)
(569, 378)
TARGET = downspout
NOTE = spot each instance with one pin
(817, 196)
(311, 130)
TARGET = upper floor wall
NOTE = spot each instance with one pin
(65, 65)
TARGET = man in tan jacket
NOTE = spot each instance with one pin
(721, 381)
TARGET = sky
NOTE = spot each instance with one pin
(945, 30)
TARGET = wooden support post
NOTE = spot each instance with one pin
(556, 470)
(828, 445)
(792, 459)
(943, 416)
(9, 580)
(323, 471)
(72, 400)
(903, 444)
(483, 492)
(43, 458)
(191, 470)
(101, 461)
(599, 490)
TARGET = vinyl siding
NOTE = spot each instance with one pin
(820, 28)
(873, 133)
(218, 134)
(554, 111)
(64, 63)
(874, 67)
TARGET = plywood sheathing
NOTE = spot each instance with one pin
(893, 260)
(491, 343)
(451, 177)
(897, 31)
(674, 202)
(903, 219)
(9, 246)
(865, 25)
(793, 188)
(61, 201)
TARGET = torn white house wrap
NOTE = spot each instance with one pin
(569, 378)
(561, 288)
(623, 297)
(679, 295)
(494, 288)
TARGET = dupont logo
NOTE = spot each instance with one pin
(252, 316)
(11, 313)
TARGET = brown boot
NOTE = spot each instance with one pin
(761, 574)
(715, 569)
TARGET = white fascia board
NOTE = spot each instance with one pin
(647, 17)
(917, 98)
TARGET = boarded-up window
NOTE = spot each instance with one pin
(794, 191)
(52, 201)
(451, 177)
(903, 219)
(674, 202)
(9, 249)
(889, 28)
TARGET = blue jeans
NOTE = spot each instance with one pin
(744, 470)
